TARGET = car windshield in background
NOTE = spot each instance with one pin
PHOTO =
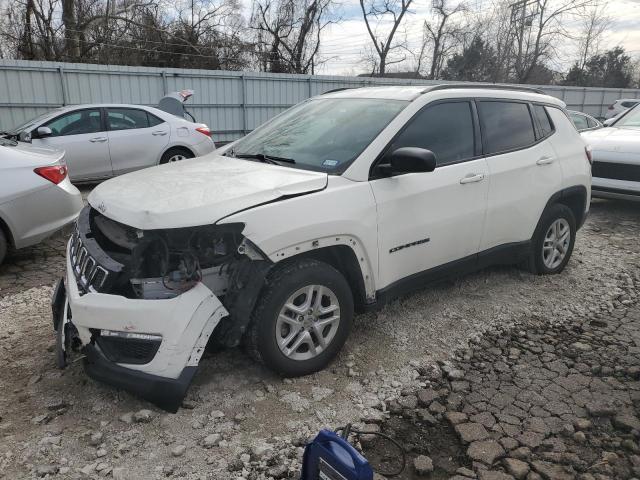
(324, 134)
(631, 119)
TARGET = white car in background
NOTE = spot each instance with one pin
(106, 140)
(615, 151)
(583, 121)
(620, 106)
(36, 196)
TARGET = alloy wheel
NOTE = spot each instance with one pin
(556, 243)
(308, 322)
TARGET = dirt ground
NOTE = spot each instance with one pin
(241, 421)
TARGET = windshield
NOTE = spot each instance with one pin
(28, 125)
(631, 119)
(324, 134)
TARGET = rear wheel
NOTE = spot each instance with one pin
(302, 318)
(3, 246)
(175, 155)
(553, 241)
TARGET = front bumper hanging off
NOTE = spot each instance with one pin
(182, 326)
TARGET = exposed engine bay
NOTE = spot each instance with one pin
(109, 257)
(164, 263)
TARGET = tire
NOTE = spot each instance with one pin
(175, 154)
(4, 246)
(268, 327)
(546, 249)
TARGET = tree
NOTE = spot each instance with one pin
(185, 33)
(476, 63)
(289, 31)
(378, 11)
(441, 33)
(538, 41)
(594, 25)
(612, 69)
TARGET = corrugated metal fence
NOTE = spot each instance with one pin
(231, 103)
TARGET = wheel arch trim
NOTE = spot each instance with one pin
(358, 268)
(573, 196)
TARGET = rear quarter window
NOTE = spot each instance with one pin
(544, 123)
(505, 126)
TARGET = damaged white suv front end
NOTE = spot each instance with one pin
(144, 279)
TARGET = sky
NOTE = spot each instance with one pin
(345, 43)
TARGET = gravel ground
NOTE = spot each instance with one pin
(241, 421)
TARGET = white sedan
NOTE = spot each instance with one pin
(36, 196)
(615, 151)
(106, 140)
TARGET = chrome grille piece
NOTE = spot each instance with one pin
(89, 275)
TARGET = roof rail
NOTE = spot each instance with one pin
(337, 90)
(492, 86)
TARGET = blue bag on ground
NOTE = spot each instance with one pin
(330, 457)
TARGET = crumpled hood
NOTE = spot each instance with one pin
(199, 191)
(612, 139)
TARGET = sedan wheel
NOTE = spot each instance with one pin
(176, 158)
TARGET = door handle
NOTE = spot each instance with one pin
(472, 178)
(98, 139)
(544, 160)
(158, 133)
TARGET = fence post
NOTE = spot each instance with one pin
(602, 106)
(165, 88)
(63, 86)
(584, 98)
(244, 104)
(309, 85)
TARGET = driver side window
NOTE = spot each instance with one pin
(75, 123)
(445, 128)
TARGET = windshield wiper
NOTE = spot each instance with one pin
(265, 158)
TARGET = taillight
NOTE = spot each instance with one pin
(587, 150)
(611, 107)
(54, 173)
(204, 131)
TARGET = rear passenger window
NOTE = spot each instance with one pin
(629, 104)
(153, 120)
(544, 124)
(506, 126)
(126, 118)
(445, 128)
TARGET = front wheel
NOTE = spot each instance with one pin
(553, 241)
(302, 318)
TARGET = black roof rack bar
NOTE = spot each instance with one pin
(337, 90)
(492, 86)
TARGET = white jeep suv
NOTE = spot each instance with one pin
(336, 205)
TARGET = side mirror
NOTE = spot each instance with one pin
(44, 132)
(409, 160)
(609, 121)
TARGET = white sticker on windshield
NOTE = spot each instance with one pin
(330, 163)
